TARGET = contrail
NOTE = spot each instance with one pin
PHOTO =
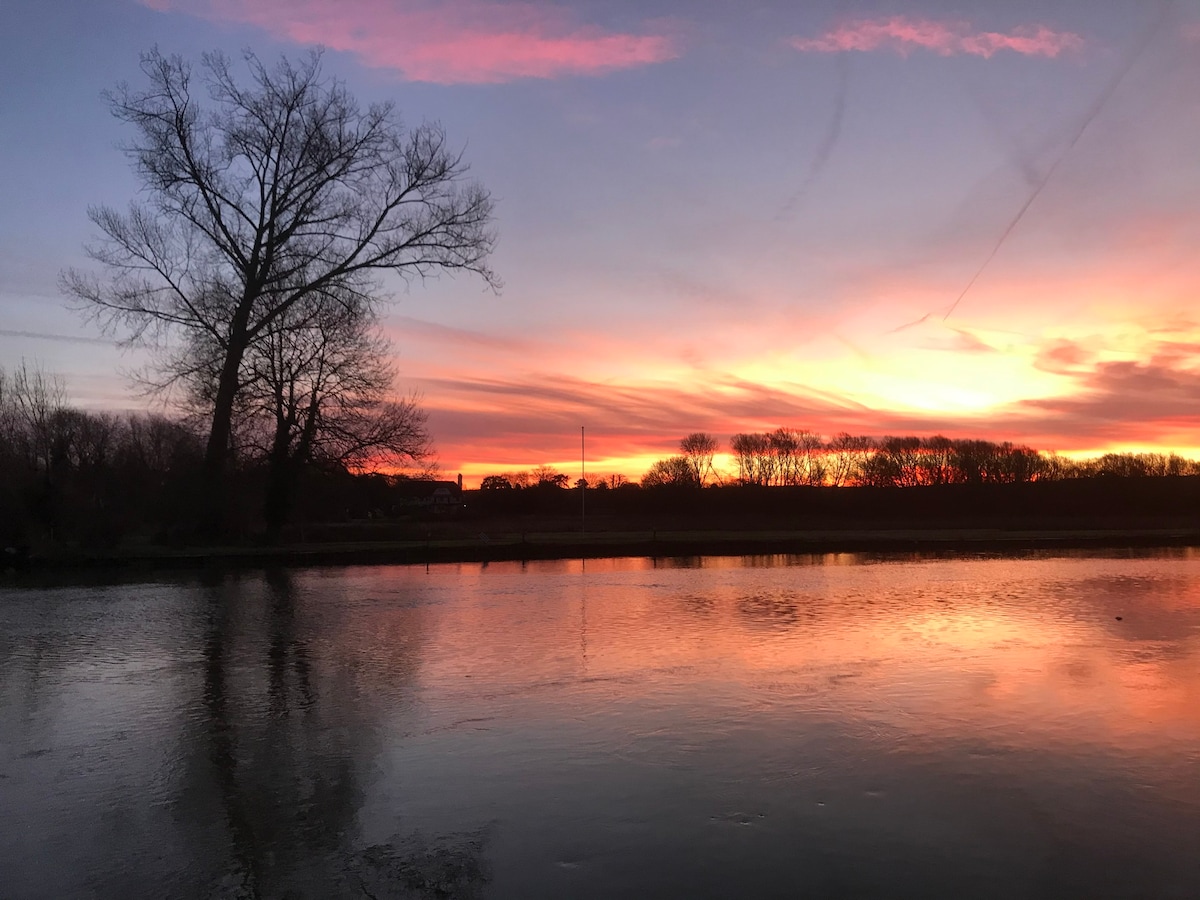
(1093, 111)
(1018, 155)
(828, 142)
(909, 325)
(62, 338)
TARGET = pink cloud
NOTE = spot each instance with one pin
(903, 35)
(471, 41)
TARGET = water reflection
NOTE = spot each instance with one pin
(245, 775)
(288, 788)
(781, 726)
(774, 610)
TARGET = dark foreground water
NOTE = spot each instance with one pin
(781, 727)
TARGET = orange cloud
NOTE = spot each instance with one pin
(1152, 401)
(475, 41)
(485, 425)
(903, 35)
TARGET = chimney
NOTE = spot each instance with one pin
(460, 482)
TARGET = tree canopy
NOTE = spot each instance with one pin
(263, 194)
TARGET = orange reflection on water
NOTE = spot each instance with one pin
(1019, 653)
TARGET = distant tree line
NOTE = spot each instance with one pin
(91, 477)
(791, 457)
(96, 479)
(788, 457)
(543, 477)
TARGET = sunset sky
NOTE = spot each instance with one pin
(712, 216)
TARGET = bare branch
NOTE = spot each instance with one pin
(268, 194)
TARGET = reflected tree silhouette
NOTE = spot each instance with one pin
(285, 751)
(286, 646)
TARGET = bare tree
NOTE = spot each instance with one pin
(813, 468)
(699, 449)
(38, 400)
(495, 483)
(846, 456)
(274, 190)
(520, 480)
(548, 476)
(756, 458)
(895, 462)
(1019, 464)
(675, 471)
(939, 463)
(85, 441)
(8, 418)
(317, 389)
(783, 445)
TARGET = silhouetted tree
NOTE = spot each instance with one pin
(1017, 464)
(317, 390)
(520, 480)
(699, 449)
(846, 454)
(798, 457)
(1140, 465)
(36, 405)
(548, 476)
(273, 191)
(896, 462)
(675, 471)
(938, 461)
(599, 482)
(754, 457)
(784, 447)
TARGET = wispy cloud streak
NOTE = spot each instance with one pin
(902, 35)
(470, 41)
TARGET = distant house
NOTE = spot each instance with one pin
(437, 497)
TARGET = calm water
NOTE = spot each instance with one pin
(779, 727)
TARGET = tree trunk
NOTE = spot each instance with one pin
(277, 506)
(214, 519)
(285, 465)
(281, 467)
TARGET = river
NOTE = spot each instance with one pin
(837, 726)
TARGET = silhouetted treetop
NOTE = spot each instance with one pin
(262, 193)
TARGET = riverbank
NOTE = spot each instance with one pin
(513, 546)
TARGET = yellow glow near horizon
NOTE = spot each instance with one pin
(1007, 355)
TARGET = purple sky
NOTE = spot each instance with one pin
(713, 217)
